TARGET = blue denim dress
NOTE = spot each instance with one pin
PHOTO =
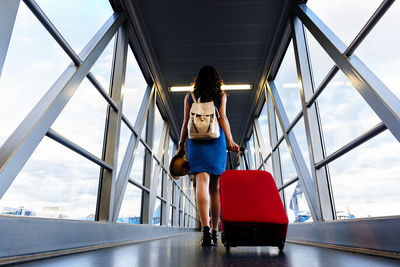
(209, 155)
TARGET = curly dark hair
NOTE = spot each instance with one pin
(207, 85)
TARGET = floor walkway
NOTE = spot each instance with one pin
(184, 250)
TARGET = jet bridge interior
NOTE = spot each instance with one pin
(249, 43)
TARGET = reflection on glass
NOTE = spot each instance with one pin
(287, 85)
(138, 165)
(131, 205)
(344, 113)
(34, 62)
(85, 111)
(287, 166)
(54, 183)
(301, 137)
(296, 204)
(365, 181)
(157, 213)
(88, 16)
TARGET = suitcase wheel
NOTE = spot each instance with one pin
(281, 245)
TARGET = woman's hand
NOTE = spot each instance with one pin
(233, 146)
(181, 150)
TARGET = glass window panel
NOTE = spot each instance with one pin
(251, 152)
(34, 62)
(158, 125)
(287, 166)
(171, 145)
(296, 204)
(320, 60)
(278, 127)
(344, 113)
(170, 216)
(353, 15)
(144, 131)
(301, 137)
(102, 68)
(268, 166)
(131, 205)
(138, 165)
(54, 183)
(88, 16)
(263, 121)
(124, 137)
(160, 178)
(157, 213)
(287, 85)
(365, 181)
(85, 111)
(134, 89)
(380, 49)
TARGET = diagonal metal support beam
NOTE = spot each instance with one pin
(273, 140)
(157, 171)
(105, 196)
(295, 153)
(20, 145)
(165, 192)
(129, 157)
(382, 101)
(264, 153)
(8, 14)
(312, 122)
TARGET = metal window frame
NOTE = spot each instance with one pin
(380, 98)
(23, 141)
(107, 179)
(296, 155)
(130, 153)
(312, 124)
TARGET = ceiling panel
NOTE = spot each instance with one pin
(233, 36)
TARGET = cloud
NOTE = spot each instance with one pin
(42, 65)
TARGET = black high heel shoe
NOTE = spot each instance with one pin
(206, 238)
(214, 236)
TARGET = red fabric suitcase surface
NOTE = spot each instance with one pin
(252, 212)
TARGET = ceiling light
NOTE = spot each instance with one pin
(223, 87)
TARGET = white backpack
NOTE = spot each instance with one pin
(203, 122)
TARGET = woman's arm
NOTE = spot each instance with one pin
(186, 110)
(223, 121)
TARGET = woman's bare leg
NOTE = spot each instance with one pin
(214, 197)
(202, 181)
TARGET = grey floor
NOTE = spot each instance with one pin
(185, 250)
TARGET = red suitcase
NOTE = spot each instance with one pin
(252, 213)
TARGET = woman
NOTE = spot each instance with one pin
(207, 159)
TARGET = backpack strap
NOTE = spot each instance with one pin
(216, 109)
(194, 98)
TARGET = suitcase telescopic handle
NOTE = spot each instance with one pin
(241, 150)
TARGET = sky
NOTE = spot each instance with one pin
(364, 181)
